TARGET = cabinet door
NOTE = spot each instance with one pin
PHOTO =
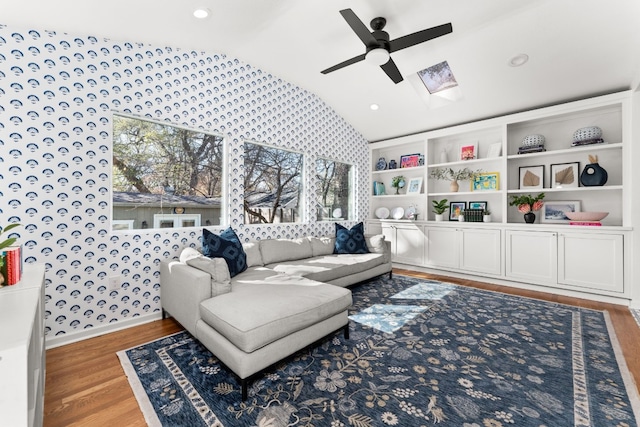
(480, 250)
(442, 247)
(592, 261)
(531, 256)
(407, 242)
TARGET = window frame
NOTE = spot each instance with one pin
(351, 204)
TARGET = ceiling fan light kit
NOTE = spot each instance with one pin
(379, 47)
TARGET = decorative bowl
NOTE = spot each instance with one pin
(586, 216)
(585, 134)
(382, 213)
(531, 140)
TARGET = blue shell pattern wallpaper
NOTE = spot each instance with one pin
(57, 96)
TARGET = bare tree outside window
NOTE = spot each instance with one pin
(334, 195)
(272, 184)
(164, 170)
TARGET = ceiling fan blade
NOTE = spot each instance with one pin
(419, 37)
(358, 27)
(344, 64)
(392, 71)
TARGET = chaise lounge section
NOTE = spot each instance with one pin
(291, 294)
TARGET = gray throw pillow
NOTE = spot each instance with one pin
(217, 269)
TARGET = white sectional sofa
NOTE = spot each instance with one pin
(292, 294)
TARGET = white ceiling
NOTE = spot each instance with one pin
(577, 48)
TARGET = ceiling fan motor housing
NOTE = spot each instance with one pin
(382, 38)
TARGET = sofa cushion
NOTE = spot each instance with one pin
(322, 245)
(217, 269)
(329, 267)
(227, 245)
(277, 250)
(376, 243)
(350, 241)
(258, 313)
(254, 257)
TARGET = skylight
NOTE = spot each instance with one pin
(438, 77)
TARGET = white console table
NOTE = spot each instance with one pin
(22, 350)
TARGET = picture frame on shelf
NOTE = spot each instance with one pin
(456, 209)
(553, 210)
(469, 151)
(565, 175)
(486, 181)
(415, 185)
(478, 205)
(410, 161)
(531, 177)
(495, 150)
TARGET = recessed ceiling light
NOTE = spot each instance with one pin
(201, 13)
(518, 60)
(374, 107)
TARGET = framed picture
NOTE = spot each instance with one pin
(410, 161)
(553, 210)
(478, 205)
(495, 150)
(531, 177)
(469, 151)
(415, 185)
(489, 181)
(455, 209)
(565, 175)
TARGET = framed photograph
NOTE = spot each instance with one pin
(495, 150)
(531, 177)
(478, 205)
(455, 209)
(410, 161)
(565, 175)
(489, 181)
(553, 210)
(415, 185)
(469, 151)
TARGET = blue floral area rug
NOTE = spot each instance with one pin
(421, 353)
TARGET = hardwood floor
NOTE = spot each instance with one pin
(86, 386)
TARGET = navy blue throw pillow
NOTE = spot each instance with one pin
(227, 245)
(350, 241)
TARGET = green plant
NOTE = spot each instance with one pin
(7, 242)
(486, 212)
(397, 180)
(449, 174)
(439, 206)
(527, 203)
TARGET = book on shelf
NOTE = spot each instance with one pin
(531, 149)
(587, 223)
(11, 264)
(378, 188)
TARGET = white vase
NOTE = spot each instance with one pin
(486, 218)
(443, 156)
(439, 217)
(460, 218)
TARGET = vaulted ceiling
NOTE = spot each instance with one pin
(576, 49)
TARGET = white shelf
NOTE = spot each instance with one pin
(572, 150)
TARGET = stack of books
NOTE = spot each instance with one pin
(378, 188)
(588, 223)
(587, 142)
(11, 265)
(525, 149)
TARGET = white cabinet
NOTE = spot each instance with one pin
(22, 350)
(531, 256)
(593, 261)
(407, 242)
(472, 250)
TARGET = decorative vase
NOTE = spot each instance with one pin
(460, 218)
(486, 218)
(443, 156)
(529, 217)
(392, 164)
(439, 217)
(593, 175)
(453, 186)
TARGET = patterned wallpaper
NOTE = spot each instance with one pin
(57, 95)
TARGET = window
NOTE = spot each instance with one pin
(438, 77)
(334, 190)
(160, 169)
(272, 184)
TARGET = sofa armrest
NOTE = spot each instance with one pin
(182, 289)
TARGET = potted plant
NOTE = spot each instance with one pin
(527, 204)
(453, 175)
(398, 182)
(486, 215)
(439, 207)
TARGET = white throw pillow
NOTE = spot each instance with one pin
(217, 269)
(322, 245)
(188, 253)
(375, 243)
(254, 257)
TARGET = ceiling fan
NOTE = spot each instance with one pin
(379, 47)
